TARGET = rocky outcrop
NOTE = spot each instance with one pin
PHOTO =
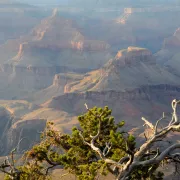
(61, 80)
(147, 101)
(18, 108)
(14, 131)
(6, 120)
(148, 25)
(50, 34)
(131, 68)
(133, 56)
(60, 86)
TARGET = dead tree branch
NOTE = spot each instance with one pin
(133, 160)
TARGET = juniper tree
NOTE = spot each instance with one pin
(98, 146)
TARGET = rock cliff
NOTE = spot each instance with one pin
(147, 101)
(24, 134)
(5, 121)
(131, 68)
(60, 86)
(13, 130)
(51, 38)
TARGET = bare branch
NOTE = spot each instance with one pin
(157, 123)
(157, 159)
(86, 106)
(174, 125)
(148, 123)
(107, 149)
(99, 152)
(84, 139)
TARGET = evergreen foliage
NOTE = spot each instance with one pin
(69, 151)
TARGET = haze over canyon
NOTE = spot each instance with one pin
(55, 56)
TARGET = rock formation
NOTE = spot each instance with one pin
(148, 101)
(24, 134)
(54, 46)
(13, 130)
(131, 68)
(60, 86)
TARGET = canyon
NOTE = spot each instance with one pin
(147, 101)
(46, 52)
(53, 61)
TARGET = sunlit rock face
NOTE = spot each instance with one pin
(134, 55)
(131, 68)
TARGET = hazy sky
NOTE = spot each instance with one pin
(94, 2)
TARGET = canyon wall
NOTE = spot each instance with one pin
(24, 134)
(143, 93)
(148, 101)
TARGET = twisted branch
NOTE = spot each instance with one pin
(127, 165)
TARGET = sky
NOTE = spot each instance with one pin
(95, 2)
